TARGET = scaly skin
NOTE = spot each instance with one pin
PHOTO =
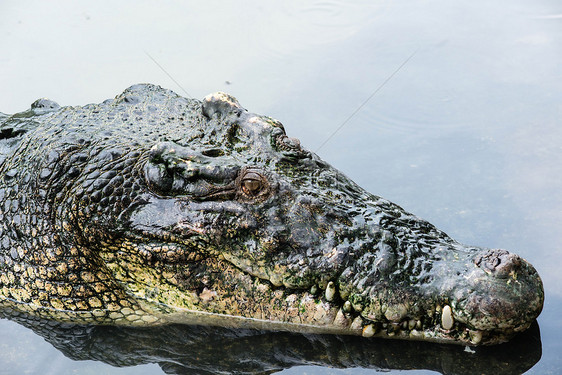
(152, 208)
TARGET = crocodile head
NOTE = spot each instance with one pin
(212, 214)
(250, 224)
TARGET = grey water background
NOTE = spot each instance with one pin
(467, 134)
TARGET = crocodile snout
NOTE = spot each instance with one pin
(513, 295)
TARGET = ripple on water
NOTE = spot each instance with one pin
(412, 121)
(312, 23)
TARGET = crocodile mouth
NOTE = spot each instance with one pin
(209, 288)
(214, 288)
(438, 327)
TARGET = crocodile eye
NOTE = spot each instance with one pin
(252, 183)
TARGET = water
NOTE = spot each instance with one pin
(465, 135)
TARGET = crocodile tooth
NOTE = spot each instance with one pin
(330, 291)
(447, 318)
(341, 320)
(475, 337)
(411, 324)
(313, 290)
(347, 307)
(416, 334)
(369, 331)
(356, 324)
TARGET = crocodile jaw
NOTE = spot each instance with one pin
(440, 311)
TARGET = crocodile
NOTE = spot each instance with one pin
(152, 208)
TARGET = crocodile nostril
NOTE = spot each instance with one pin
(499, 262)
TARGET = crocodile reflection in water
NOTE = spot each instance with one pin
(183, 349)
(153, 208)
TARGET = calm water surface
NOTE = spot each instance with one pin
(467, 135)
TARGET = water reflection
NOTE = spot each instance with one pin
(180, 349)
